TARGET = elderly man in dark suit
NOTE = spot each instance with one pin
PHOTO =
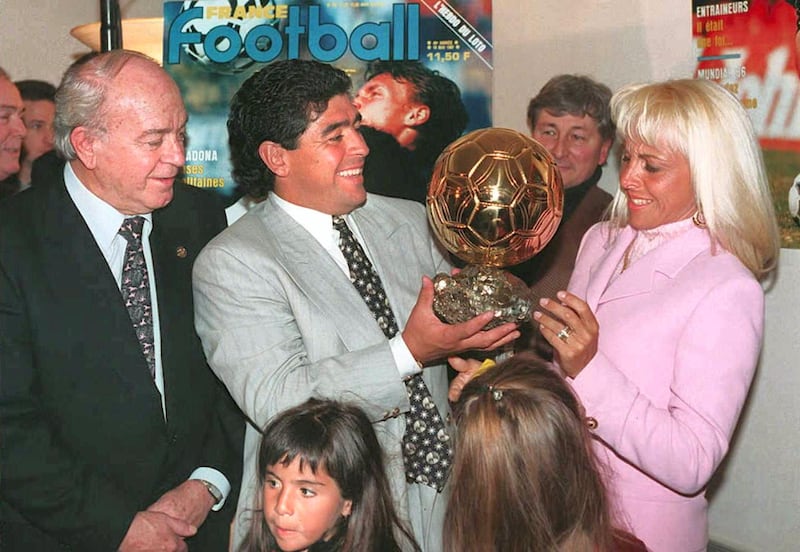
(115, 434)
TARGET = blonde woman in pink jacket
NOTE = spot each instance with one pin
(660, 331)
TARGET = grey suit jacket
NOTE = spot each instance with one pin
(280, 322)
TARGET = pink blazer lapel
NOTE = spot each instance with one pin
(602, 270)
(668, 260)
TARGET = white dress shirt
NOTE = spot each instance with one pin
(320, 226)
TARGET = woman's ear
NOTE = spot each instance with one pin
(347, 509)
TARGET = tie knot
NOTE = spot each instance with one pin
(339, 224)
(131, 229)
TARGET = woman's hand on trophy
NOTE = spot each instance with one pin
(569, 325)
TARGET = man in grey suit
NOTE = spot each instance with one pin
(278, 314)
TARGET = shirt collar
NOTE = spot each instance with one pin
(318, 224)
(102, 219)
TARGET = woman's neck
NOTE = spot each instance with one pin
(647, 240)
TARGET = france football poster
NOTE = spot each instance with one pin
(212, 46)
(749, 47)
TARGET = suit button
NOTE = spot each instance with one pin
(395, 412)
(385, 416)
(173, 439)
(591, 423)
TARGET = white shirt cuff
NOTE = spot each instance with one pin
(403, 359)
(218, 480)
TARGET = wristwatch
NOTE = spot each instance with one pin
(212, 490)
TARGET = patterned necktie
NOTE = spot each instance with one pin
(426, 445)
(135, 288)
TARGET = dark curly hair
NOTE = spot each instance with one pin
(277, 104)
(448, 116)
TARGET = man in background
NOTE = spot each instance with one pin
(12, 133)
(115, 434)
(39, 98)
(316, 290)
(417, 107)
(571, 118)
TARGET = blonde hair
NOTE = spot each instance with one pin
(525, 476)
(707, 125)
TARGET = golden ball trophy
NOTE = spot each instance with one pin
(495, 199)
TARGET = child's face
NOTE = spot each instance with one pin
(300, 506)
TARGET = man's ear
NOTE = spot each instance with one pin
(274, 157)
(417, 115)
(605, 149)
(84, 143)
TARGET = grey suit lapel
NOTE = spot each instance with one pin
(320, 279)
(387, 245)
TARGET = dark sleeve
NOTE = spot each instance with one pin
(221, 450)
(47, 168)
(41, 480)
(223, 447)
(225, 443)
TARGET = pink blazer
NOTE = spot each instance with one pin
(680, 335)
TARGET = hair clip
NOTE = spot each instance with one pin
(485, 365)
(497, 394)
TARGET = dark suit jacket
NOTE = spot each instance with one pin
(83, 441)
(9, 186)
(47, 167)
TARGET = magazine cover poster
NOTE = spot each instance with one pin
(749, 46)
(212, 46)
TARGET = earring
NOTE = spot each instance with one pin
(699, 219)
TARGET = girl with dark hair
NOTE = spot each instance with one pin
(524, 475)
(323, 485)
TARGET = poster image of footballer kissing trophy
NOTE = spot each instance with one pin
(495, 199)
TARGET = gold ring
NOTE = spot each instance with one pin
(564, 334)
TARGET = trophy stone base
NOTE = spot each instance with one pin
(478, 289)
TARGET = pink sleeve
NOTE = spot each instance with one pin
(682, 445)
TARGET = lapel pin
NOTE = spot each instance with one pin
(180, 252)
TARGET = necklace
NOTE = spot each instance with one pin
(626, 258)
